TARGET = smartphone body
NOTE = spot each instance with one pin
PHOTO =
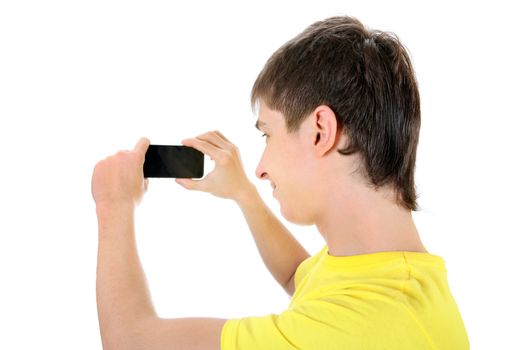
(173, 161)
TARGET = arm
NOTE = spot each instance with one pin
(279, 249)
(123, 298)
(126, 314)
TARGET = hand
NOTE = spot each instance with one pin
(120, 178)
(227, 179)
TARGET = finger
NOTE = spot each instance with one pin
(203, 146)
(223, 137)
(142, 146)
(214, 138)
(190, 184)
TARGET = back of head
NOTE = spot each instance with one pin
(366, 78)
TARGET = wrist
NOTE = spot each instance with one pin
(104, 208)
(115, 221)
(247, 194)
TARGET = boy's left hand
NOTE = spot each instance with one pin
(120, 178)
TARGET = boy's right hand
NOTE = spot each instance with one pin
(227, 179)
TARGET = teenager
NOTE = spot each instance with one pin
(339, 107)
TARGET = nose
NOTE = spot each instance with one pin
(259, 171)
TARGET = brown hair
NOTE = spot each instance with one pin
(366, 78)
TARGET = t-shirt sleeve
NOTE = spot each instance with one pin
(328, 324)
(261, 332)
(308, 327)
(274, 331)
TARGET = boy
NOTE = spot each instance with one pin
(339, 106)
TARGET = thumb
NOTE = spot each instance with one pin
(142, 146)
(190, 184)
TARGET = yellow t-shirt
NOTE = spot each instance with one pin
(386, 300)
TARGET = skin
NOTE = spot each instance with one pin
(314, 185)
(358, 219)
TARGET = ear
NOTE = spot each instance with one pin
(325, 129)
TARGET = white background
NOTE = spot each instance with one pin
(80, 80)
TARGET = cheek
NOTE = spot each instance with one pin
(275, 156)
(286, 166)
(296, 175)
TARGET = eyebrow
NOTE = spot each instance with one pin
(258, 124)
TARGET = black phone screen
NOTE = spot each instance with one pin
(173, 161)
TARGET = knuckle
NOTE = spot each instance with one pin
(232, 151)
(223, 158)
(231, 156)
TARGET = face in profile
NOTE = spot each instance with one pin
(286, 164)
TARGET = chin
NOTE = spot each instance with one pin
(296, 216)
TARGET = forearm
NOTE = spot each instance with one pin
(279, 249)
(123, 298)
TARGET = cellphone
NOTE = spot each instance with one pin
(173, 161)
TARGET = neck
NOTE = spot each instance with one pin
(361, 220)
